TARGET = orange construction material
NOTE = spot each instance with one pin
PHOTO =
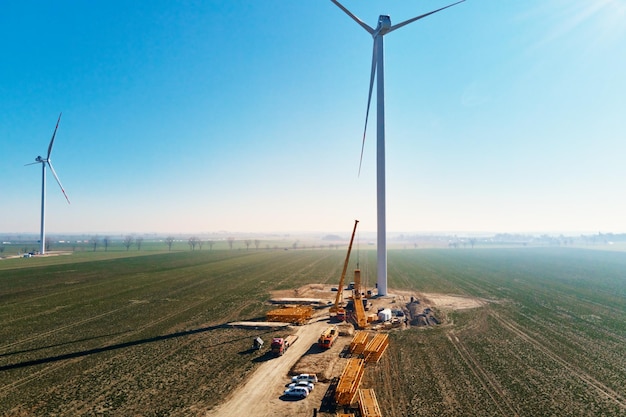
(368, 404)
(359, 310)
(349, 381)
(375, 349)
(359, 342)
(291, 314)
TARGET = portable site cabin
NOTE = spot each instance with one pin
(384, 315)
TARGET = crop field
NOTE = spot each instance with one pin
(551, 340)
(97, 334)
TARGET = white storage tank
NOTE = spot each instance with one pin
(384, 314)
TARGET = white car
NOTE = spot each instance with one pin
(305, 384)
(299, 392)
(305, 377)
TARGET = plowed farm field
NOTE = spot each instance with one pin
(146, 335)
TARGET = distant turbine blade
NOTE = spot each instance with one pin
(356, 19)
(53, 135)
(406, 22)
(369, 100)
(56, 177)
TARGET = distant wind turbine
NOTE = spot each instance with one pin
(384, 27)
(46, 161)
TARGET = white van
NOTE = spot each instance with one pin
(305, 377)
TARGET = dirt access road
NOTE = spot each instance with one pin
(261, 394)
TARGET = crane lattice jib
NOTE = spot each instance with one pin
(343, 272)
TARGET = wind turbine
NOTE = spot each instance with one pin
(384, 27)
(46, 161)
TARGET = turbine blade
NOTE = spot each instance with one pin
(356, 19)
(56, 177)
(53, 135)
(369, 100)
(406, 22)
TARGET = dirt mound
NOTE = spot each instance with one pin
(323, 362)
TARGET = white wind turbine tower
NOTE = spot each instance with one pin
(46, 161)
(384, 27)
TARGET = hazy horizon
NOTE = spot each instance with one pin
(391, 234)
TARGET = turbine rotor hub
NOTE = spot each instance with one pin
(384, 24)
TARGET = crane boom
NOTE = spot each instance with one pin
(336, 307)
(359, 309)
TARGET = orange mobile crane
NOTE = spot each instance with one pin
(338, 309)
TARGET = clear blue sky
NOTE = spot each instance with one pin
(246, 116)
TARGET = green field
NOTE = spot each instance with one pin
(112, 334)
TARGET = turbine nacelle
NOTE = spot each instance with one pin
(384, 25)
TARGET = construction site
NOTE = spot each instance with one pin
(340, 331)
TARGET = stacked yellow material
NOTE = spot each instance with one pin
(291, 314)
(359, 342)
(368, 404)
(349, 381)
(375, 349)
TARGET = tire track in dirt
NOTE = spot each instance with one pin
(108, 295)
(50, 368)
(32, 316)
(306, 267)
(6, 389)
(259, 395)
(56, 366)
(490, 385)
(588, 379)
(105, 283)
(66, 291)
(98, 316)
(131, 374)
(551, 325)
(58, 329)
(20, 382)
(390, 375)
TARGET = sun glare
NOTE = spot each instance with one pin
(614, 13)
(600, 21)
(586, 24)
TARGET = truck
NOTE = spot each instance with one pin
(328, 337)
(280, 345)
(341, 314)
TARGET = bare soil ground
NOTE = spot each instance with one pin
(262, 393)
(395, 298)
